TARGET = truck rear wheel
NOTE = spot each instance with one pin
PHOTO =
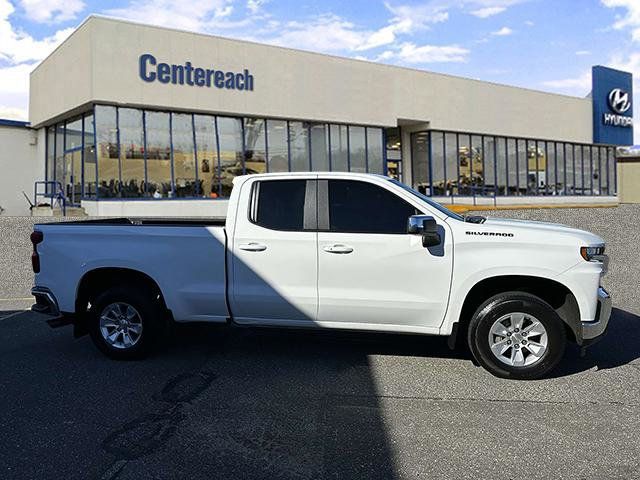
(517, 335)
(126, 322)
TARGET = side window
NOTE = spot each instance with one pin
(361, 207)
(279, 204)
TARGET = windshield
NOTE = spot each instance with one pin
(428, 200)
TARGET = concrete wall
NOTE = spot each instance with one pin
(156, 208)
(62, 83)
(218, 208)
(629, 179)
(99, 62)
(19, 168)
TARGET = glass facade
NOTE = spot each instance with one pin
(230, 152)
(339, 138)
(132, 174)
(375, 155)
(117, 152)
(420, 162)
(108, 148)
(184, 157)
(50, 174)
(278, 151)
(357, 150)
(463, 164)
(59, 158)
(299, 147)
(90, 171)
(206, 155)
(134, 153)
(157, 138)
(319, 139)
(255, 145)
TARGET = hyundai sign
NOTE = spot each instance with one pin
(612, 97)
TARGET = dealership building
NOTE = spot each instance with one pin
(131, 119)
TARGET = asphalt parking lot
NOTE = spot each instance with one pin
(222, 403)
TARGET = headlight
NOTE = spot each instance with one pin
(592, 253)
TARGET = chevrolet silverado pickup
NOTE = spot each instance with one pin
(330, 250)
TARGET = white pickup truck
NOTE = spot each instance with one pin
(330, 250)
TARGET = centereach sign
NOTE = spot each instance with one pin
(150, 70)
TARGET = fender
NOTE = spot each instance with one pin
(537, 282)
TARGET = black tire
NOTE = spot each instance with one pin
(516, 302)
(150, 311)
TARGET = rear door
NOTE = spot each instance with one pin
(371, 273)
(274, 253)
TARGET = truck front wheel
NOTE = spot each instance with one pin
(517, 335)
(126, 322)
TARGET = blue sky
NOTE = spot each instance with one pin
(541, 44)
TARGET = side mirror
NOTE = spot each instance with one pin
(426, 226)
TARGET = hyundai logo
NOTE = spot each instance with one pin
(619, 100)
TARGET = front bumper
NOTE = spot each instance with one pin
(594, 331)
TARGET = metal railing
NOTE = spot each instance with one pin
(54, 192)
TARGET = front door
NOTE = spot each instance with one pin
(370, 271)
(274, 253)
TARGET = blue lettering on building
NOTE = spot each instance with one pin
(612, 97)
(150, 70)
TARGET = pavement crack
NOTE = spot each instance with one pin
(114, 470)
(151, 430)
(143, 435)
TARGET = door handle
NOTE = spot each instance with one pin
(338, 248)
(252, 247)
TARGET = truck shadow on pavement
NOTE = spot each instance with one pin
(620, 346)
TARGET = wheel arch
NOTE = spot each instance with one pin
(556, 294)
(97, 280)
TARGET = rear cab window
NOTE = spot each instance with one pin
(287, 205)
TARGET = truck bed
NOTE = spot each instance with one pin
(184, 257)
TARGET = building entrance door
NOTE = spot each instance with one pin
(394, 153)
(73, 176)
